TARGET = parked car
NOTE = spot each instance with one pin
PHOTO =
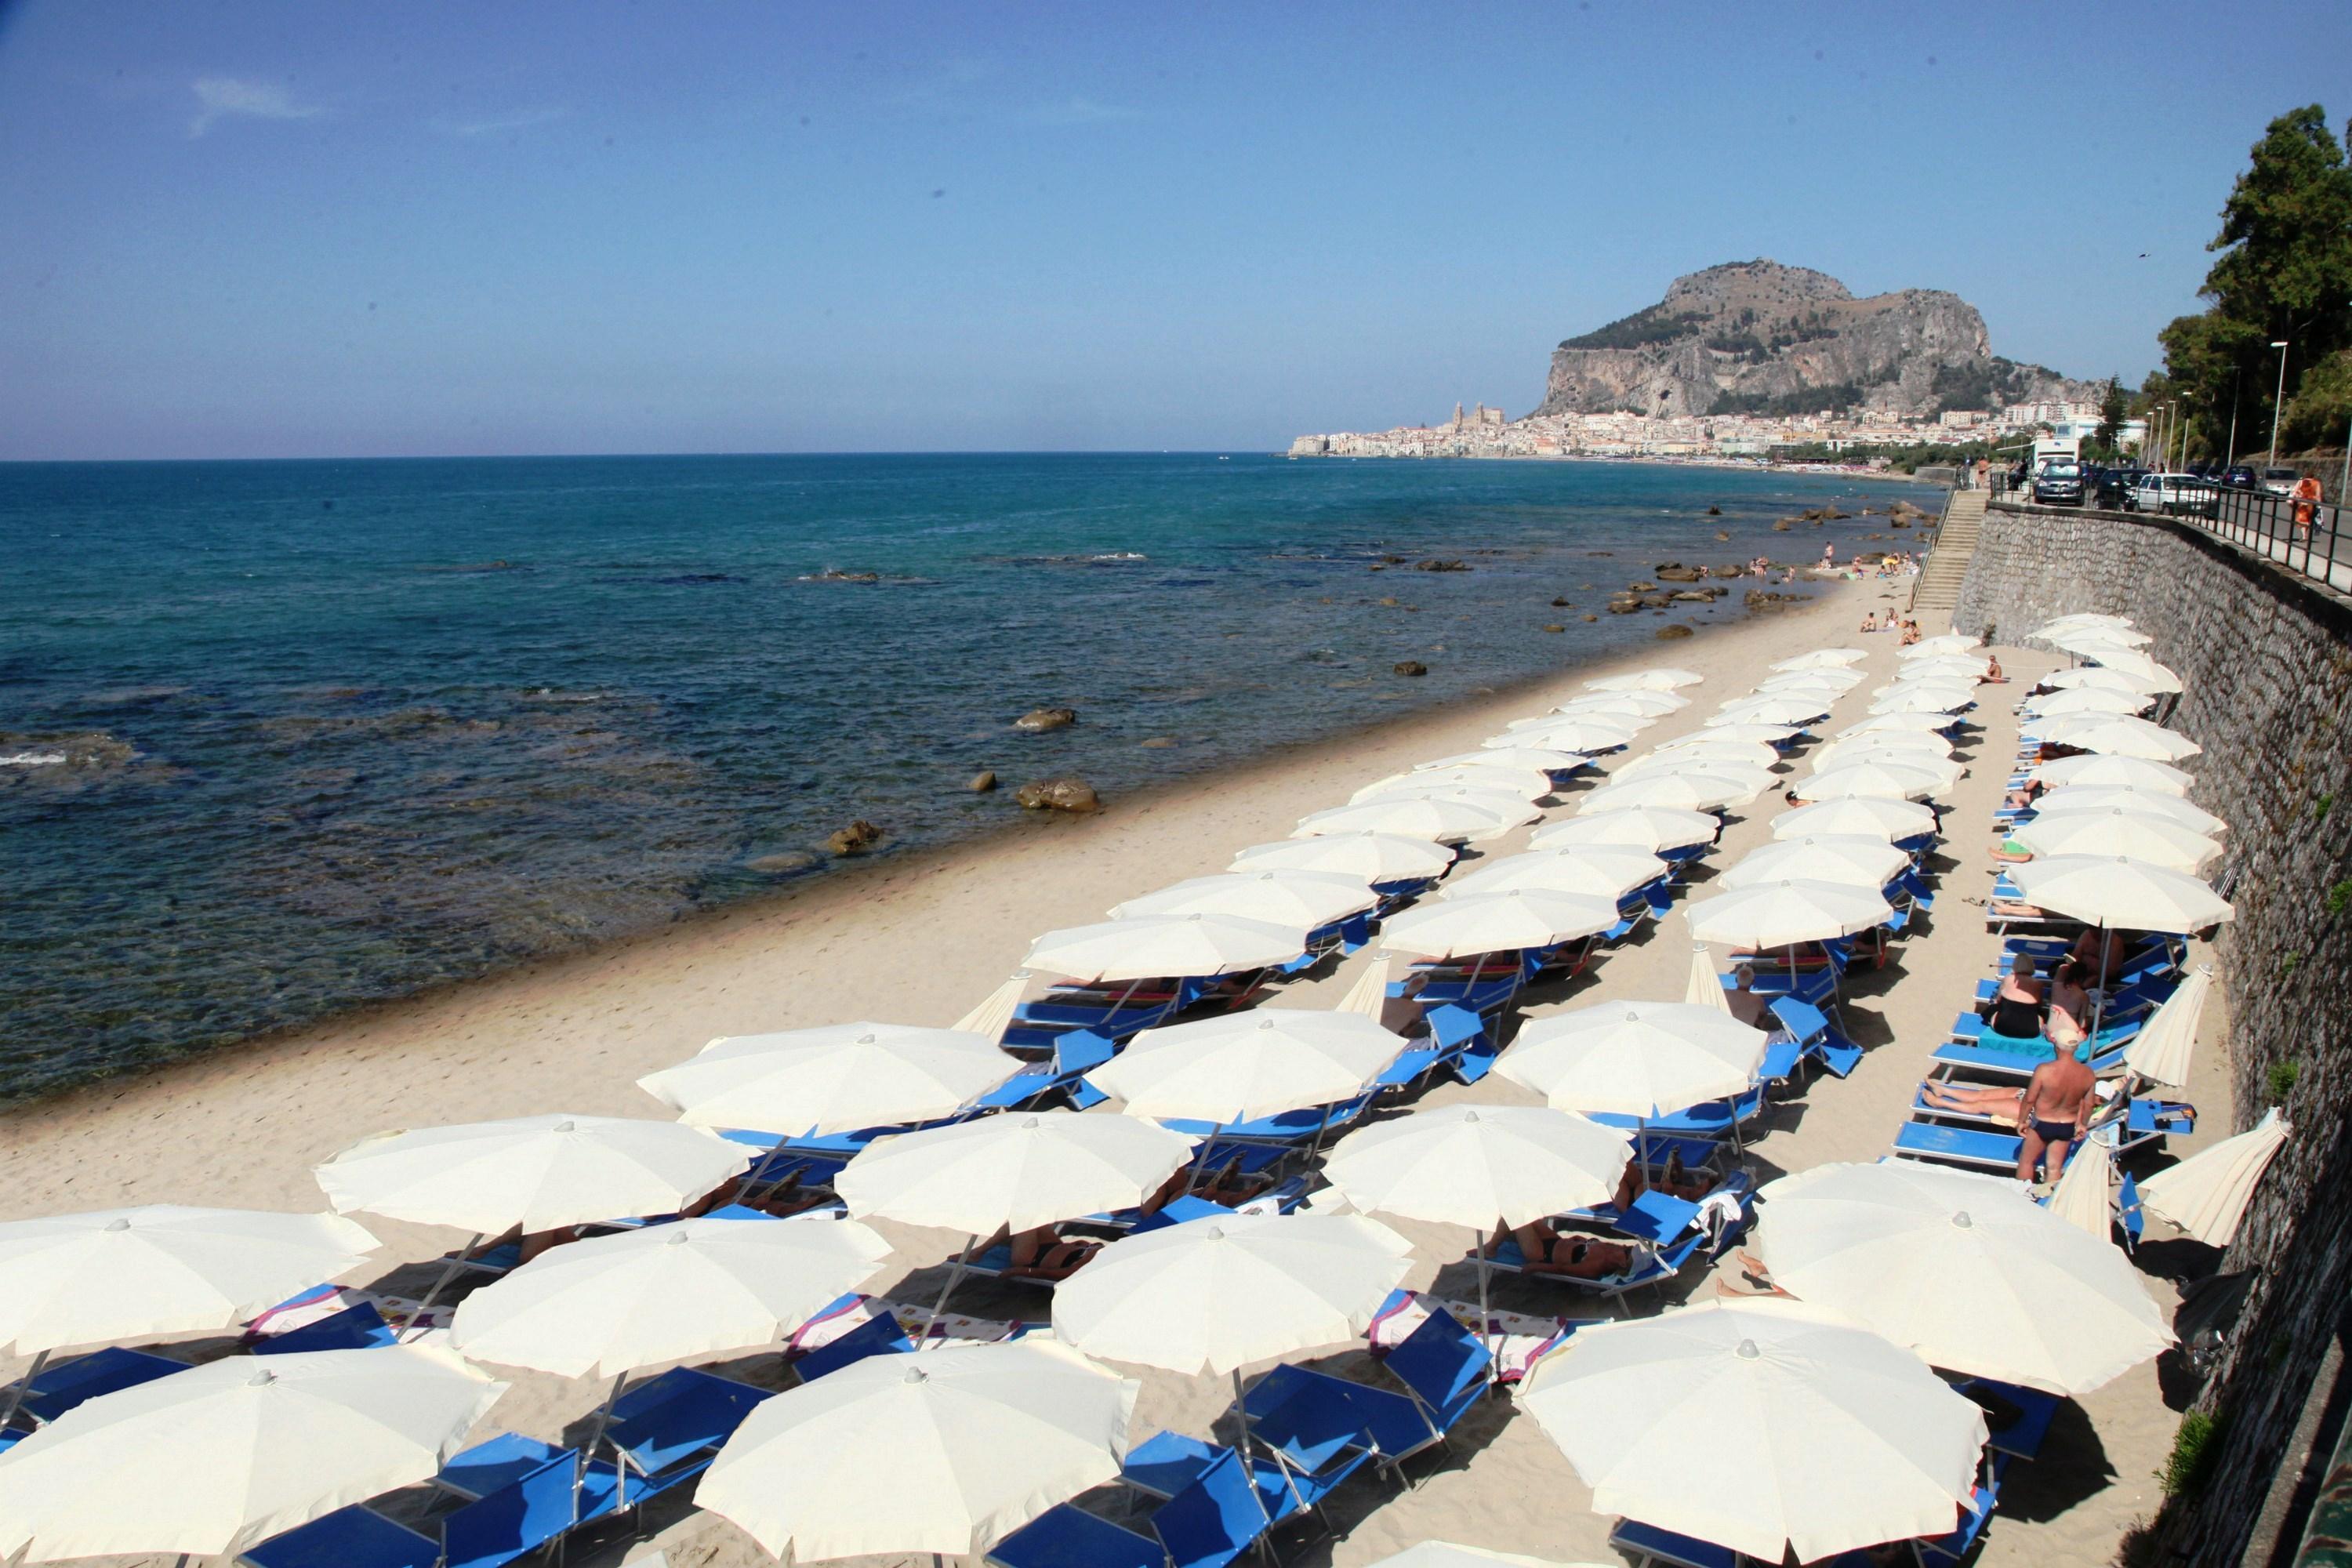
(2059, 484)
(2280, 481)
(2175, 495)
(2114, 484)
(2240, 477)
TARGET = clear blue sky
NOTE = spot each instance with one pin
(240, 228)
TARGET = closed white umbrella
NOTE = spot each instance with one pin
(1644, 704)
(1517, 784)
(2087, 699)
(1516, 921)
(2120, 892)
(2161, 1051)
(1821, 659)
(837, 1077)
(1798, 708)
(1598, 870)
(1678, 792)
(1371, 856)
(538, 1172)
(1819, 1437)
(1666, 678)
(2116, 735)
(2082, 1197)
(610, 1304)
(992, 1013)
(1860, 814)
(2095, 770)
(2206, 1194)
(946, 1452)
(2150, 800)
(1935, 697)
(208, 1461)
(1279, 896)
(1653, 827)
(1929, 648)
(1447, 819)
(1861, 860)
(1148, 946)
(1014, 1172)
(1241, 1065)
(1877, 722)
(1782, 913)
(1635, 1059)
(2119, 832)
(1885, 781)
(1705, 988)
(1967, 1270)
(1370, 995)
(1216, 1295)
(1586, 733)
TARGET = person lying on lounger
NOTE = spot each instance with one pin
(1578, 1256)
(2000, 1104)
(2032, 790)
(1045, 1254)
(2086, 951)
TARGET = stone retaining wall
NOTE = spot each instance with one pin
(2266, 658)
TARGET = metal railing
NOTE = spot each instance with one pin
(2311, 538)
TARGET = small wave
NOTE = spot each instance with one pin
(34, 760)
(1120, 555)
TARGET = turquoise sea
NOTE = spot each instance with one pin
(337, 730)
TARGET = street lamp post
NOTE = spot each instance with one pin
(2277, 398)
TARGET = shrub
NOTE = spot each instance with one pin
(2194, 1447)
(2283, 1077)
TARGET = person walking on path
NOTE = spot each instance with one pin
(1984, 472)
(2306, 496)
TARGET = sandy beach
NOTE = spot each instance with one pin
(921, 938)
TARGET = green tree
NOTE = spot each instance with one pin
(2111, 423)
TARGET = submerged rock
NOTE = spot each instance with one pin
(1067, 793)
(1159, 742)
(1675, 572)
(981, 781)
(855, 839)
(1557, 628)
(1433, 564)
(790, 863)
(1715, 512)
(1410, 666)
(1042, 718)
(1668, 634)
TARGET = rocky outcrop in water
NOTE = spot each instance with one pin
(1072, 795)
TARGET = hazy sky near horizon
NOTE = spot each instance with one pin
(254, 229)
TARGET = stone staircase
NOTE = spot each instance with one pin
(1938, 587)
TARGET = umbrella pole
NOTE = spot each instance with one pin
(595, 1436)
(1290, 1482)
(1200, 1160)
(955, 1278)
(22, 1386)
(1485, 1318)
(2099, 996)
(443, 1283)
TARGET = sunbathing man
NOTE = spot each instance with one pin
(1675, 1182)
(2027, 794)
(1549, 1251)
(1745, 1004)
(2087, 951)
(2051, 1115)
(1045, 1254)
(2070, 1004)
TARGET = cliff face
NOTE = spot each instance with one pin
(1755, 337)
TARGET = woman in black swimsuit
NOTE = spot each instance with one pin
(2017, 1005)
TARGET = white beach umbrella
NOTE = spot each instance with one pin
(946, 1452)
(2098, 771)
(1821, 1437)
(1861, 751)
(1875, 780)
(1821, 659)
(1479, 1165)
(2151, 801)
(1965, 1269)
(1448, 819)
(2087, 699)
(2206, 1194)
(1597, 871)
(1216, 1295)
(2092, 640)
(1446, 1555)
(1705, 987)
(1861, 860)
(1828, 682)
(1644, 704)
(160, 1269)
(1707, 743)
(1665, 679)
(609, 1304)
(1635, 1059)
(836, 1077)
(2119, 892)
(1521, 758)
(1752, 780)
(2104, 678)
(1368, 856)
(1517, 783)
(2116, 735)
(1678, 792)
(1751, 731)
(208, 1461)
(1937, 697)
(2081, 1197)
(1858, 813)
(2152, 840)
(1515, 921)
(1929, 648)
(1783, 913)
(1798, 707)
(1239, 1066)
(2161, 1051)
(1148, 946)
(2077, 621)
(1279, 896)
(1651, 827)
(538, 1172)
(1879, 722)
(1894, 745)
(1014, 1172)
(1587, 734)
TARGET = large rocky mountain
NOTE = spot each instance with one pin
(1755, 337)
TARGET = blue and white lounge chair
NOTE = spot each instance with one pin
(543, 1499)
(1212, 1521)
(62, 1387)
(667, 1430)
(1443, 1368)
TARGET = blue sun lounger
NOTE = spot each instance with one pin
(1291, 1482)
(64, 1386)
(1213, 1520)
(1652, 1270)
(1458, 1042)
(1061, 1076)
(1815, 1037)
(540, 1502)
(1443, 1368)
